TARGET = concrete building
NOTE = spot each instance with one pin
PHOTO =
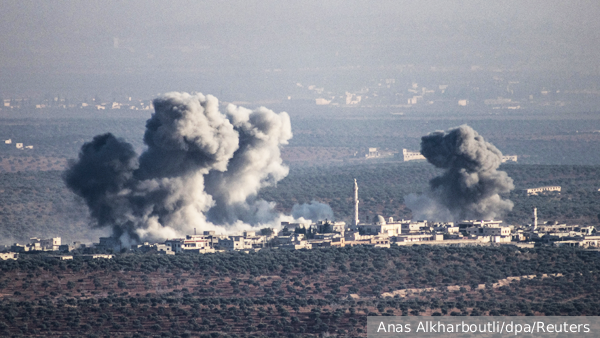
(193, 243)
(354, 235)
(36, 244)
(327, 240)
(580, 242)
(329, 227)
(445, 227)
(161, 249)
(50, 244)
(294, 242)
(257, 241)
(352, 99)
(380, 226)
(487, 230)
(414, 227)
(8, 255)
(380, 241)
(95, 256)
(298, 245)
(372, 153)
(322, 102)
(418, 238)
(494, 230)
(509, 158)
(463, 225)
(389, 227)
(201, 243)
(535, 191)
(412, 155)
(235, 243)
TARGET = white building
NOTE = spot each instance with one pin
(155, 247)
(296, 245)
(391, 227)
(412, 155)
(36, 244)
(412, 227)
(487, 230)
(535, 191)
(8, 255)
(322, 102)
(327, 226)
(372, 153)
(418, 238)
(192, 243)
(95, 256)
(352, 99)
(235, 243)
(509, 158)
(295, 242)
(445, 227)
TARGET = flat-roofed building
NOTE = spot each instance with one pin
(546, 189)
(95, 256)
(418, 238)
(412, 155)
(192, 243)
(8, 255)
(235, 243)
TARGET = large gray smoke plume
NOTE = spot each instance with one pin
(470, 186)
(201, 169)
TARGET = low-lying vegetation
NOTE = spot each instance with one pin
(286, 293)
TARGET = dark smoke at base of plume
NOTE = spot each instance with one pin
(470, 187)
(202, 169)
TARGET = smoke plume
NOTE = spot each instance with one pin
(470, 186)
(314, 211)
(202, 169)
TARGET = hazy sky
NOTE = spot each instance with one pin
(87, 46)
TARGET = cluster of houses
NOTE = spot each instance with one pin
(53, 246)
(379, 232)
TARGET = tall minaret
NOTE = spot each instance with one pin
(535, 220)
(355, 203)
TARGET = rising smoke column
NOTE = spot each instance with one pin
(470, 186)
(201, 169)
(256, 164)
(104, 171)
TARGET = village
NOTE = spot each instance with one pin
(378, 232)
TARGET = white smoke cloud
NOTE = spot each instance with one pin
(314, 211)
